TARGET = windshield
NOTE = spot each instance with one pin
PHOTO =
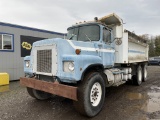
(84, 33)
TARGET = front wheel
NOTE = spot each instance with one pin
(91, 95)
(40, 95)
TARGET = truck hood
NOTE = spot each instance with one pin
(65, 46)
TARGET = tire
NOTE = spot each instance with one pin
(137, 79)
(40, 95)
(144, 73)
(91, 95)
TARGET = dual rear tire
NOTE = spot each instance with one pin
(141, 74)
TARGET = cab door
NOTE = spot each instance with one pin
(108, 52)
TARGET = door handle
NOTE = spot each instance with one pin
(100, 45)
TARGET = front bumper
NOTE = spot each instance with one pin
(50, 87)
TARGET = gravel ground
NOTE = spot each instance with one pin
(126, 102)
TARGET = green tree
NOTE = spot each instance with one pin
(151, 48)
(150, 40)
(157, 46)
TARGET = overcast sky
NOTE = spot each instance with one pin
(140, 16)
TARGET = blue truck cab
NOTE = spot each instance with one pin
(94, 55)
(87, 39)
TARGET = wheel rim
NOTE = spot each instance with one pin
(140, 76)
(145, 73)
(96, 94)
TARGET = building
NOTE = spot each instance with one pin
(16, 43)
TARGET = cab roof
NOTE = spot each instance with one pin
(108, 20)
(111, 19)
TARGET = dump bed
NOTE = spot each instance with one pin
(131, 48)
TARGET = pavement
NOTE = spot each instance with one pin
(126, 102)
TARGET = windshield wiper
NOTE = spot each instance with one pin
(88, 38)
(71, 36)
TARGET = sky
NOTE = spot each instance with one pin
(139, 16)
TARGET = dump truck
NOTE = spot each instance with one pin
(94, 55)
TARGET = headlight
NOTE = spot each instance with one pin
(27, 63)
(71, 66)
(68, 66)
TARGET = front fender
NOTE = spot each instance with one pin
(81, 62)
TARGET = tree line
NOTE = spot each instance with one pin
(154, 44)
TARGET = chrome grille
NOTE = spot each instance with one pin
(44, 61)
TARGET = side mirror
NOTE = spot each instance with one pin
(118, 31)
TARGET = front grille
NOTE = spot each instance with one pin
(44, 61)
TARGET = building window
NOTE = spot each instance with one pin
(6, 42)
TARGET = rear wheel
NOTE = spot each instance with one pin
(144, 72)
(91, 95)
(137, 79)
(40, 95)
